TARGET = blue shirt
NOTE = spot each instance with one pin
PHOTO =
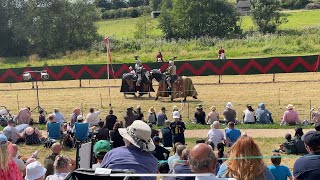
(183, 169)
(233, 134)
(223, 171)
(307, 167)
(131, 157)
(58, 117)
(280, 172)
(161, 118)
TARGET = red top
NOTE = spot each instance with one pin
(11, 173)
(221, 51)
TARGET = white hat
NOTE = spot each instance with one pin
(80, 117)
(229, 105)
(139, 134)
(35, 171)
(176, 114)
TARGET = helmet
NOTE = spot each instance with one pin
(171, 63)
(130, 68)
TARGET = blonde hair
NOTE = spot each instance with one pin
(245, 169)
(167, 123)
(152, 109)
(4, 157)
(213, 108)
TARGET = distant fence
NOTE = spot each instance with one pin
(270, 65)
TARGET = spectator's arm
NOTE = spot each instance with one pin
(38, 132)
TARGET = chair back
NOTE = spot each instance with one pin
(82, 131)
(54, 130)
(84, 174)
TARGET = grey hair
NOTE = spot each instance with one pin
(61, 162)
(197, 165)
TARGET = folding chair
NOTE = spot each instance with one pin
(84, 174)
(82, 131)
(54, 131)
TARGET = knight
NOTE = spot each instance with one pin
(138, 67)
(171, 73)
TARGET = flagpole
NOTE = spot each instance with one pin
(108, 69)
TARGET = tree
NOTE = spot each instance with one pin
(266, 15)
(144, 26)
(217, 18)
(155, 4)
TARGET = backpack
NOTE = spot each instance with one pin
(290, 147)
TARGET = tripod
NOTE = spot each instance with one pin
(38, 102)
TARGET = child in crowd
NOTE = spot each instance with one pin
(288, 146)
(42, 117)
(152, 117)
(162, 117)
(278, 171)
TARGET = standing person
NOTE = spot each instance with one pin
(220, 52)
(242, 169)
(278, 171)
(9, 170)
(24, 116)
(249, 115)
(110, 120)
(58, 116)
(42, 117)
(263, 115)
(139, 114)
(159, 57)
(92, 117)
(232, 134)
(315, 115)
(152, 117)
(12, 133)
(162, 117)
(200, 115)
(229, 113)
(290, 116)
(166, 134)
(308, 167)
(136, 152)
(130, 117)
(76, 113)
(115, 136)
(212, 115)
(177, 127)
(215, 135)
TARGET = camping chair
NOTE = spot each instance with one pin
(81, 131)
(54, 131)
(84, 174)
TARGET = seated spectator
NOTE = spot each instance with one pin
(288, 146)
(76, 113)
(115, 137)
(92, 117)
(315, 115)
(51, 119)
(17, 160)
(263, 115)
(172, 161)
(130, 117)
(229, 113)
(58, 116)
(177, 128)
(278, 171)
(152, 117)
(162, 117)
(212, 115)
(135, 154)
(203, 161)
(159, 152)
(42, 117)
(232, 134)
(299, 144)
(182, 167)
(35, 171)
(50, 159)
(175, 156)
(200, 115)
(308, 167)
(163, 168)
(31, 134)
(243, 168)
(317, 127)
(102, 132)
(166, 134)
(220, 147)
(290, 116)
(61, 168)
(249, 115)
(12, 134)
(9, 170)
(153, 131)
(24, 116)
(100, 149)
(80, 119)
(110, 120)
(215, 135)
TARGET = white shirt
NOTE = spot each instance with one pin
(248, 116)
(20, 164)
(172, 159)
(92, 118)
(95, 166)
(216, 136)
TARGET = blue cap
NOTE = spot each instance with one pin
(3, 140)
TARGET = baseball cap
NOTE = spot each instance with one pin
(3, 140)
(311, 138)
(101, 146)
(176, 114)
(80, 117)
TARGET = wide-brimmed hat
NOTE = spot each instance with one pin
(229, 105)
(139, 134)
(290, 106)
(35, 170)
(176, 114)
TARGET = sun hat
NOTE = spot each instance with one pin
(176, 114)
(229, 105)
(311, 138)
(3, 140)
(80, 117)
(34, 171)
(139, 134)
(175, 108)
(290, 106)
(101, 146)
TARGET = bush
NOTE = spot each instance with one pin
(131, 12)
(313, 6)
(294, 4)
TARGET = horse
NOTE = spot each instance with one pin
(129, 85)
(182, 87)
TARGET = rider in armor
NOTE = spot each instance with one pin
(171, 74)
(132, 71)
(139, 69)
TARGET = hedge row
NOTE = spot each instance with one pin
(131, 12)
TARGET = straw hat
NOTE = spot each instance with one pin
(139, 134)
(229, 105)
(290, 106)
